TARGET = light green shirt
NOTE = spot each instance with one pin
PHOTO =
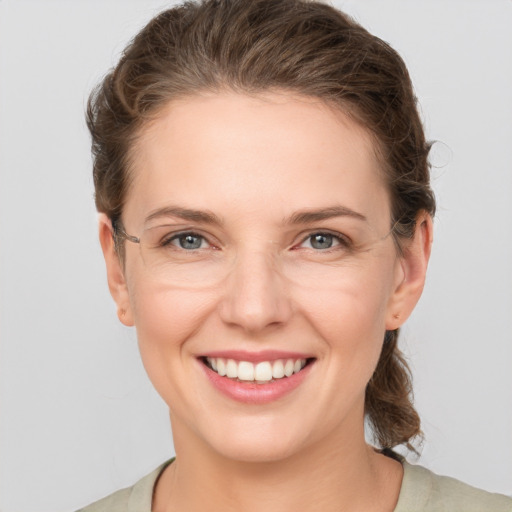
(421, 491)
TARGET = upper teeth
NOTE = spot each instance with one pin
(264, 371)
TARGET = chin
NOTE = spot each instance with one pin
(257, 452)
(255, 441)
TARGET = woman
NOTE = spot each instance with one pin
(266, 220)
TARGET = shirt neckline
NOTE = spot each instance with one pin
(414, 489)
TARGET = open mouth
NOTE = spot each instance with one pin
(262, 372)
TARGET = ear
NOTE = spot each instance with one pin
(115, 272)
(411, 275)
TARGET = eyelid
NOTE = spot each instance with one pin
(173, 232)
(170, 236)
(343, 239)
(177, 236)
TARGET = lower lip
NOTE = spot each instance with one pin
(253, 393)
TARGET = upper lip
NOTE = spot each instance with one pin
(256, 357)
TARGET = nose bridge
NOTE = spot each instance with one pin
(255, 294)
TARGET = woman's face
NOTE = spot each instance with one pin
(265, 227)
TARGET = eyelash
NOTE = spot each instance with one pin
(343, 241)
(167, 240)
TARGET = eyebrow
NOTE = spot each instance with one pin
(300, 217)
(309, 216)
(205, 217)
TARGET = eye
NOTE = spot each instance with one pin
(322, 241)
(187, 241)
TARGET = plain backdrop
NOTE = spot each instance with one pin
(79, 418)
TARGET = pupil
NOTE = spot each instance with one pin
(321, 241)
(190, 242)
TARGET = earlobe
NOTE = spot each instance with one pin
(115, 272)
(412, 272)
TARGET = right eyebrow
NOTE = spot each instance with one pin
(205, 217)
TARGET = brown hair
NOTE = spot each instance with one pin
(255, 45)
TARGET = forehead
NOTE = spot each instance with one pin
(287, 152)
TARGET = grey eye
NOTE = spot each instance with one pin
(321, 241)
(189, 241)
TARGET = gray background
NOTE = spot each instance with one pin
(78, 415)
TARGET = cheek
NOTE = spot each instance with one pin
(168, 316)
(352, 329)
(165, 320)
(349, 314)
(349, 303)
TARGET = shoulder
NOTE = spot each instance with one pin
(116, 502)
(424, 491)
(137, 498)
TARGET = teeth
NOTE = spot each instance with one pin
(261, 372)
(245, 370)
(221, 367)
(231, 369)
(278, 369)
(288, 367)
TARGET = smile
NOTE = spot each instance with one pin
(256, 378)
(262, 372)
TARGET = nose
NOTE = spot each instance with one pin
(255, 295)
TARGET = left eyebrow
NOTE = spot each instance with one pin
(309, 216)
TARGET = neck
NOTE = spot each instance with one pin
(330, 476)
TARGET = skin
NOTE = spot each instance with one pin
(259, 284)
